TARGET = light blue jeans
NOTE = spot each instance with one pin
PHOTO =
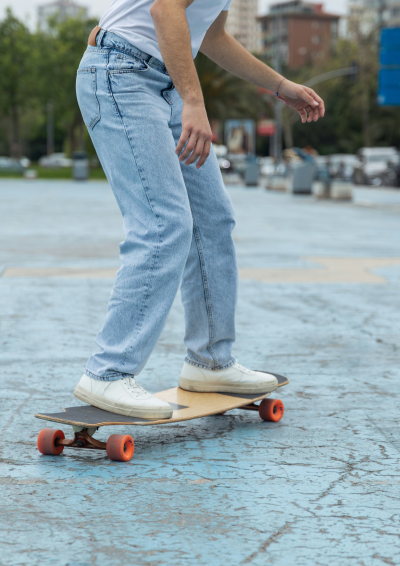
(177, 219)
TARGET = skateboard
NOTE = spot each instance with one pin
(187, 405)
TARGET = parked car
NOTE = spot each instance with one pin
(11, 165)
(55, 161)
(375, 166)
(341, 165)
(25, 162)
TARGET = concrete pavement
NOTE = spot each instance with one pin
(319, 487)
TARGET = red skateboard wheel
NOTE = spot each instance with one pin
(271, 410)
(120, 447)
(47, 439)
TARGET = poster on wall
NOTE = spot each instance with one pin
(266, 128)
(240, 136)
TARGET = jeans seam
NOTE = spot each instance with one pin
(117, 111)
(206, 290)
(112, 376)
(157, 248)
(204, 366)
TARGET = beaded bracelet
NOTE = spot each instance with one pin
(277, 90)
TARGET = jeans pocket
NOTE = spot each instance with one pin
(129, 64)
(86, 93)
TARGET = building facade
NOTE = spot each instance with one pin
(62, 10)
(242, 23)
(367, 16)
(298, 32)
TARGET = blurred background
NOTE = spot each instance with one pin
(348, 51)
(319, 301)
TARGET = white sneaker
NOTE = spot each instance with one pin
(123, 397)
(235, 379)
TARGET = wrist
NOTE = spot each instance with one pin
(193, 100)
(278, 85)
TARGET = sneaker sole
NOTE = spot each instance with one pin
(120, 408)
(202, 387)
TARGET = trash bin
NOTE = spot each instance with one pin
(80, 166)
(251, 172)
(302, 178)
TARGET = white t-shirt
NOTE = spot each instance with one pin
(131, 20)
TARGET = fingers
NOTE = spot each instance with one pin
(198, 147)
(189, 147)
(182, 140)
(205, 154)
(303, 95)
(303, 115)
(309, 114)
(312, 113)
(314, 107)
(315, 96)
(197, 151)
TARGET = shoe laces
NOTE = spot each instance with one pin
(243, 369)
(133, 387)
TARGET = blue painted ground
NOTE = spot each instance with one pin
(320, 487)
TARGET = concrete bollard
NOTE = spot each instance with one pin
(335, 190)
(30, 174)
(277, 183)
(320, 189)
(341, 190)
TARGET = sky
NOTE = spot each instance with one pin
(26, 9)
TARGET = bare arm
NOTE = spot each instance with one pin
(222, 48)
(173, 37)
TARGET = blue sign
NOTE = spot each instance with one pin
(389, 68)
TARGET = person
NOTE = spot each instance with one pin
(141, 100)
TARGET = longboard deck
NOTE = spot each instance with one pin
(187, 405)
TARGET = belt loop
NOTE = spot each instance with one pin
(99, 37)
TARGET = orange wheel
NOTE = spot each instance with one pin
(47, 441)
(120, 447)
(271, 410)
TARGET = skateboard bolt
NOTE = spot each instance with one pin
(81, 442)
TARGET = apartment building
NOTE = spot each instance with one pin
(366, 16)
(299, 32)
(242, 23)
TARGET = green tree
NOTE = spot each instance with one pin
(17, 84)
(65, 47)
(353, 119)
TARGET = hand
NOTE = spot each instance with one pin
(196, 132)
(303, 99)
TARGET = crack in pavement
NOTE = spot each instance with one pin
(340, 478)
(273, 538)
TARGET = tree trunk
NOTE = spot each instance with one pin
(75, 133)
(287, 131)
(15, 146)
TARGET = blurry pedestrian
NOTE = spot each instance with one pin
(141, 100)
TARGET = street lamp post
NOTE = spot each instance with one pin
(50, 127)
(278, 106)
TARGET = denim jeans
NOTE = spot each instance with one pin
(177, 219)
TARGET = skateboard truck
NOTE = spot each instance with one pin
(83, 438)
(119, 447)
